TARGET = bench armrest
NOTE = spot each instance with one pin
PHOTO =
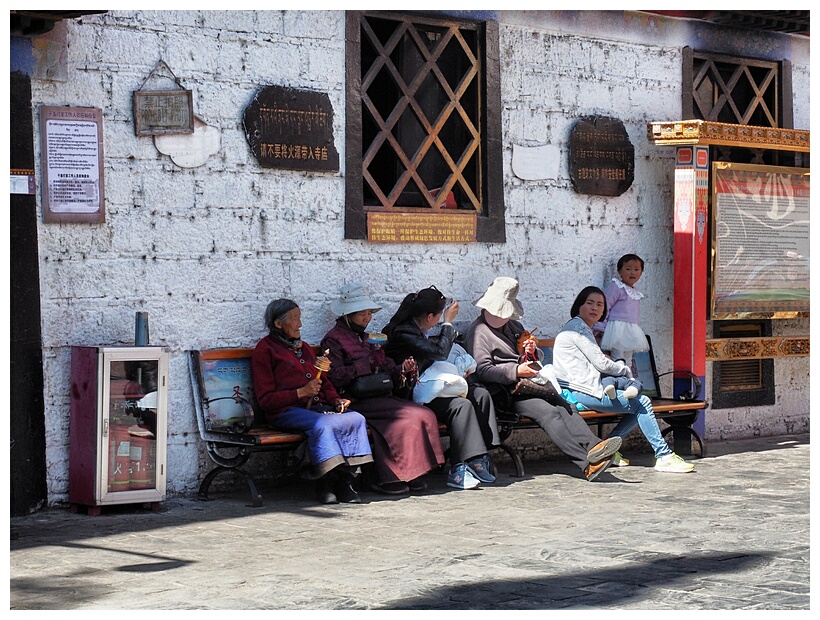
(689, 395)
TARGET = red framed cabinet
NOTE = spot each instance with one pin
(118, 426)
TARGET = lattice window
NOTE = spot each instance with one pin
(423, 119)
(735, 90)
(741, 91)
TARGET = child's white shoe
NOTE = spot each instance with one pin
(610, 392)
(631, 392)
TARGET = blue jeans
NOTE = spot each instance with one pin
(642, 415)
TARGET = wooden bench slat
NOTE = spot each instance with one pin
(267, 437)
(662, 405)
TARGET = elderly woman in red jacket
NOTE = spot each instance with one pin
(406, 442)
(294, 398)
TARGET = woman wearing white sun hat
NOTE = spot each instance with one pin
(492, 340)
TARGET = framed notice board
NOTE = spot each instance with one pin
(72, 158)
(760, 227)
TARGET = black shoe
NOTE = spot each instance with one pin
(390, 488)
(345, 493)
(324, 491)
(418, 485)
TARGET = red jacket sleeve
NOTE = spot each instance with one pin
(276, 378)
(270, 395)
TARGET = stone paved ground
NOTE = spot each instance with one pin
(734, 535)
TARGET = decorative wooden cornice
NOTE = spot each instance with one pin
(731, 349)
(725, 134)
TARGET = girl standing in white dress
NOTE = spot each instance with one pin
(623, 335)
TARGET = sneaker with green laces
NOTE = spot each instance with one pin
(673, 464)
(619, 461)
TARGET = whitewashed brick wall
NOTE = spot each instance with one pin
(204, 250)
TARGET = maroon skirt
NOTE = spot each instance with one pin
(405, 435)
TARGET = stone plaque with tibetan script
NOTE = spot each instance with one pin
(421, 227)
(601, 157)
(291, 129)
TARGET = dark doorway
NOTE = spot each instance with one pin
(27, 414)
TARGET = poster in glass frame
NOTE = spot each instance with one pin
(760, 241)
(72, 164)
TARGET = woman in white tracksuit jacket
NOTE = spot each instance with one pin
(579, 363)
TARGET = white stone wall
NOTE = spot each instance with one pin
(203, 250)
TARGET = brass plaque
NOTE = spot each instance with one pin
(421, 227)
(159, 112)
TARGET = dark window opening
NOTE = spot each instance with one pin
(419, 114)
(742, 91)
(743, 383)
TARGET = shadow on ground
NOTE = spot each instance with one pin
(600, 589)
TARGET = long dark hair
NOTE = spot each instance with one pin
(426, 301)
(582, 299)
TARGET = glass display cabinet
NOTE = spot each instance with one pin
(118, 426)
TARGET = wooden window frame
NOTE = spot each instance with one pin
(779, 72)
(490, 211)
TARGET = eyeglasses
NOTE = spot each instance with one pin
(435, 294)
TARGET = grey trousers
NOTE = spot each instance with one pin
(569, 432)
(470, 421)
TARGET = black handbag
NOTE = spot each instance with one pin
(371, 386)
(526, 388)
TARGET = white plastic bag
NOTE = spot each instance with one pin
(547, 373)
(462, 360)
(440, 380)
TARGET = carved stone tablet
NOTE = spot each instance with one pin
(291, 129)
(601, 157)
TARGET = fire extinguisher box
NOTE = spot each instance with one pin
(118, 426)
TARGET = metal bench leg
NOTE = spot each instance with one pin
(516, 459)
(256, 497)
(681, 433)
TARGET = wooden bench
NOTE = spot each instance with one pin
(680, 414)
(227, 415)
(222, 385)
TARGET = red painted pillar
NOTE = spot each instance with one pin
(691, 266)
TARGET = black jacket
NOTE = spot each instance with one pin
(408, 340)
